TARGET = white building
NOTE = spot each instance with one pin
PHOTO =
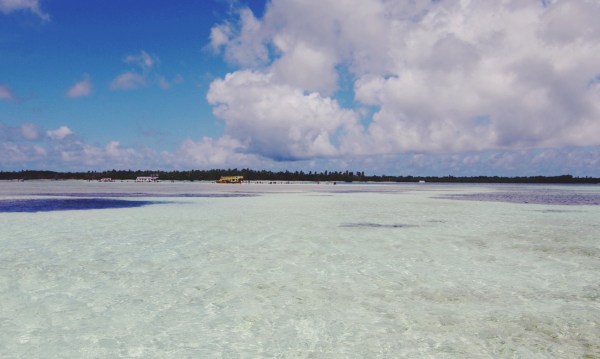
(147, 179)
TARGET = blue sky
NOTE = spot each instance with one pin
(407, 87)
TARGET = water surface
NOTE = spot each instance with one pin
(299, 271)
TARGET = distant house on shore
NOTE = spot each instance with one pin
(147, 179)
(106, 179)
(231, 179)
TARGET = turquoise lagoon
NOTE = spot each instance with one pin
(201, 270)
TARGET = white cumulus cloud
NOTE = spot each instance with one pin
(78, 153)
(437, 77)
(144, 73)
(277, 120)
(9, 6)
(209, 152)
(128, 81)
(143, 60)
(81, 88)
(6, 93)
(243, 44)
(23, 146)
(29, 131)
(60, 133)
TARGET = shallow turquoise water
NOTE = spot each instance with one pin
(244, 271)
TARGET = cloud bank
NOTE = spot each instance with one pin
(432, 77)
(29, 146)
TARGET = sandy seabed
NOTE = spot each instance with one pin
(201, 270)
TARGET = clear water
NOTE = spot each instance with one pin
(299, 271)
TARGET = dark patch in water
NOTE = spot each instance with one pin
(558, 211)
(535, 197)
(66, 204)
(375, 225)
(581, 251)
(142, 194)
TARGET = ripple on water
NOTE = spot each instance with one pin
(375, 225)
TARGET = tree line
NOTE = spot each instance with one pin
(264, 175)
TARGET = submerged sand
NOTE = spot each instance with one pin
(298, 271)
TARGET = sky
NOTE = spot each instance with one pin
(396, 87)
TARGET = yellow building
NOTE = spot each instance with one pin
(231, 179)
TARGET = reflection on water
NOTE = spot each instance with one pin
(146, 194)
(66, 204)
(533, 197)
